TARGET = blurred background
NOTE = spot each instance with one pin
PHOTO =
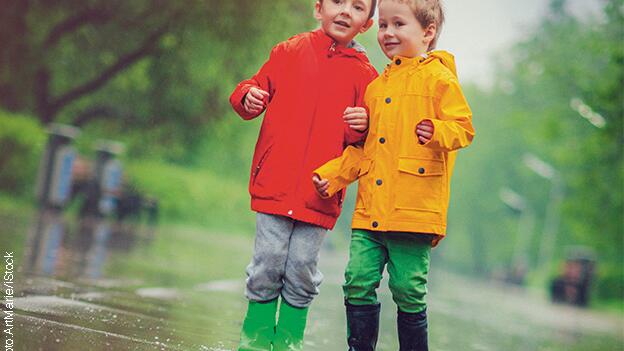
(123, 175)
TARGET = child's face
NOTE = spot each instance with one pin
(343, 19)
(400, 33)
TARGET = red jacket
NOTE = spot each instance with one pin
(310, 82)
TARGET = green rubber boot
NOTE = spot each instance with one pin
(290, 326)
(259, 326)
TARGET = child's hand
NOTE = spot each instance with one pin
(356, 118)
(424, 130)
(321, 185)
(255, 100)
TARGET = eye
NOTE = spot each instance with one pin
(359, 8)
(399, 24)
(382, 25)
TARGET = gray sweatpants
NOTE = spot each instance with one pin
(285, 260)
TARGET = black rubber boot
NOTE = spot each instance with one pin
(412, 329)
(362, 326)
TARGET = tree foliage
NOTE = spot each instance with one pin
(567, 68)
(136, 65)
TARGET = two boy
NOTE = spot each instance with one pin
(418, 119)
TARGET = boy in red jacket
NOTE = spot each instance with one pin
(312, 88)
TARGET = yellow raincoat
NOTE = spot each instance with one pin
(404, 185)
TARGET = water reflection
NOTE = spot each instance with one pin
(57, 247)
(68, 297)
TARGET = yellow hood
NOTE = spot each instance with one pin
(445, 57)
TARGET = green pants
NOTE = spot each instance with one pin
(407, 257)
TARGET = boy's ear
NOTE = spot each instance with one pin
(430, 33)
(317, 10)
(367, 25)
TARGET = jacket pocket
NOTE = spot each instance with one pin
(259, 184)
(364, 187)
(420, 184)
(258, 167)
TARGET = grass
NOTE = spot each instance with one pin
(12, 206)
(199, 196)
(613, 306)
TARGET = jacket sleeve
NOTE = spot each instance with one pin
(342, 170)
(353, 136)
(263, 79)
(453, 126)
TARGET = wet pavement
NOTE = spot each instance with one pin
(98, 285)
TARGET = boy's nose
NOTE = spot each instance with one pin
(345, 10)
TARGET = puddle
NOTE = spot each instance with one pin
(89, 285)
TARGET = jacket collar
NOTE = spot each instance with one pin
(325, 43)
(412, 64)
(402, 63)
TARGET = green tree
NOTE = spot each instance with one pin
(558, 95)
(136, 65)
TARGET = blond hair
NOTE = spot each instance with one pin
(427, 12)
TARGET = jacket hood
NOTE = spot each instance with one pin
(445, 57)
(357, 46)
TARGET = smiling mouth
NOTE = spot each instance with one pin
(390, 45)
(342, 24)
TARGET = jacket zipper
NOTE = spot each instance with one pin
(305, 152)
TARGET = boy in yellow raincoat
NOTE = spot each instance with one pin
(419, 118)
